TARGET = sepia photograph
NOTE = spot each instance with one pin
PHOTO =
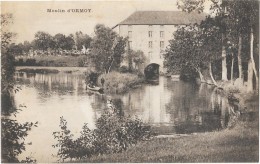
(130, 81)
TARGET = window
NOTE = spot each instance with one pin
(130, 34)
(150, 34)
(150, 26)
(130, 27)
(130, 44)
(150, 44)
(150, 55)
(161, 34)
(161, 44)
(161, 26)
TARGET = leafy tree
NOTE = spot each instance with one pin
(60, 41)
(185, 51)
(138, 59)
(43, 41)
(106, 47)
(82, 40)
(12, 132)
(191, 5)
(16, 49)
(6, 35)
(238, 24)
(69, 42)
(26, 46)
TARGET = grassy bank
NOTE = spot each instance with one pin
(54, 61)
(116, 82)
(39, 69)
(239, 144)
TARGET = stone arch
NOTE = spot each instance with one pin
(151, 72)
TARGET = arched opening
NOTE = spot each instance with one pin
(151, 72)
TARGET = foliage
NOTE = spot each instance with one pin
(43, 41)
(116, 82)
(54, 61)
(138, 59)
(12, 132)
(106, 48)
(224, 36)
(63, 42)
(123, 69)
(92, 78)
(184, 50)
(69, 148)
(191, 5)
(6, 35)
(82, 40)
(113, 134)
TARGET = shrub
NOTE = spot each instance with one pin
(114, 133)
(69, 148)
(31, 62)
(13, 134)
(116, 82)
(123, 69)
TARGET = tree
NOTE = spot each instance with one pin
(69, 43)
(106, 47)
(60, 42)
(191, 5)
(238, 23)
(119, 50)
(12, 132)
(138, 59)
(185, 51)
(16, 49)
(26, 46)
(6, 35)
(82, 40)
(43, 41)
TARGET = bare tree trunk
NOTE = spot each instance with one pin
(252, 56)
(211, 75)
(110, 66)
(250, 77)
(224, 61)
(239, 60)
(201, 76)
(232, 68)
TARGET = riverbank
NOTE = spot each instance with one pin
(238, 144)
(42, 69)
(53, 61)
(116, 82)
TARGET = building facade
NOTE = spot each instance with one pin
(150, 31)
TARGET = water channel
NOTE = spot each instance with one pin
(170, 107)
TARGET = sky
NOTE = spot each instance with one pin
(32, 16)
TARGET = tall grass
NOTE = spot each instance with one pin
(116, 82)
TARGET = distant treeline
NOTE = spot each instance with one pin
(46, 44)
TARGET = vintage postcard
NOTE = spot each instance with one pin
(130, 81)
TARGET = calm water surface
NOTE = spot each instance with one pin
(170, 107)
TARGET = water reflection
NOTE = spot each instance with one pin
(170, 107)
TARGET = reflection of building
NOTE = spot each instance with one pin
(150, 31)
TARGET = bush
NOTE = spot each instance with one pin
(69, 148)
(31, 62)
(13, 134)
(114, 133)
(123, 69)
(116, 82)
(188, 74)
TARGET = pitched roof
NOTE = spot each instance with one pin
(163, 18)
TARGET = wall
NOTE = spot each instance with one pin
(140, 39)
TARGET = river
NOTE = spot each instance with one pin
(170, 107)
